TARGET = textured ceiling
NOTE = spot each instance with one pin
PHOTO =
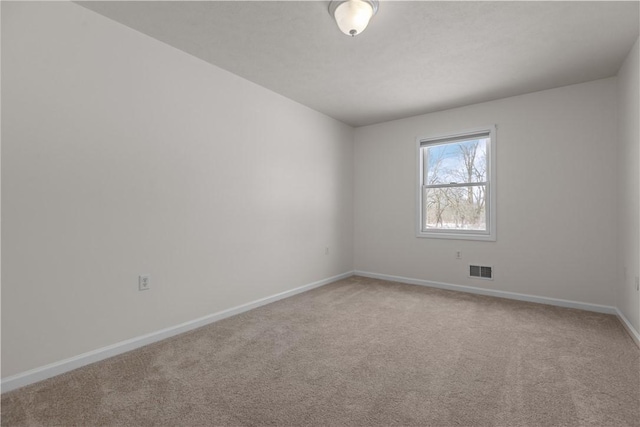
(415, 57)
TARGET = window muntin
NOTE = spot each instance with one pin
(455, 194)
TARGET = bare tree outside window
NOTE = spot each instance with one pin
(454, 185)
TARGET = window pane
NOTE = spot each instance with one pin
(455, 208)
(459, 162)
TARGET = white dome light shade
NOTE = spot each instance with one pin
(352, 16)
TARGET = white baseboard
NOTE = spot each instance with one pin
(635, 336)
(494, 293)
(41, 373)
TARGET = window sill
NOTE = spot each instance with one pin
(456, 236)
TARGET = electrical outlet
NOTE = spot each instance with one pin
(458, 254)
(637, 283)
(144, 282)
(326, 250)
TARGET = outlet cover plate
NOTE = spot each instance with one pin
(144, 282)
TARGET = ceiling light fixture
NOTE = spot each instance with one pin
(352, 16)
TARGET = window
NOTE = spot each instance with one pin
(456, 191)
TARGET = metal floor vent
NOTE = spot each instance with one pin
(481, 271)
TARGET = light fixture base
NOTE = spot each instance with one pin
(333, 5)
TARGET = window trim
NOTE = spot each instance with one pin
(490, 207)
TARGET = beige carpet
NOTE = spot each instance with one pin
(361, 352)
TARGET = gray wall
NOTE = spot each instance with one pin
(628, 298)
(122, 156)
(556, 189)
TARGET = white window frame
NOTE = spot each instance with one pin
(490, 207)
